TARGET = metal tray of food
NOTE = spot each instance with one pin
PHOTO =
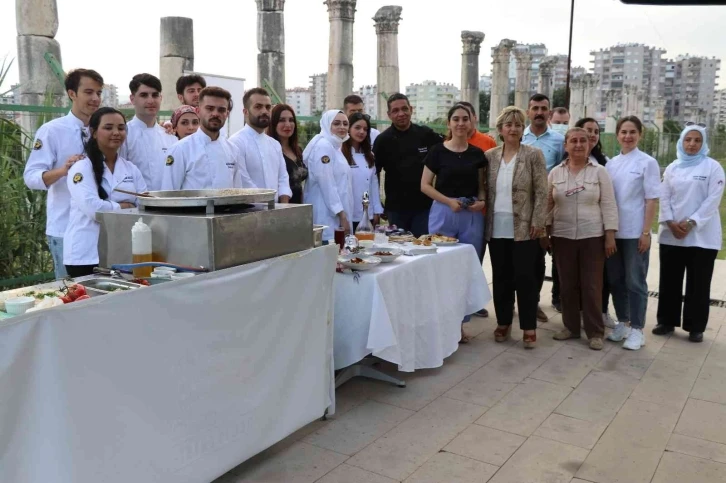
(102, 286)
(187, 198)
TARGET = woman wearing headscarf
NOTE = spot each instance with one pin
(329, 187)
(185, 121)
(689, 234)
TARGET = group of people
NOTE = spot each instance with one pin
(547, 188)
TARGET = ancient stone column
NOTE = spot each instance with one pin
(341, 14)
(547, 76)
(500, 79)
(271, 44)
(523, 80)
(591, 84)
(386, 23)
(470, 67)
(37, 23)
(577, 100)
(175, 56)
(612, 110)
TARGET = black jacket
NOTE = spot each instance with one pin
(401, 155)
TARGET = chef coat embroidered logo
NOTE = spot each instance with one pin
(77, 178)
(38, 144)
(325, 159)
(169, 160)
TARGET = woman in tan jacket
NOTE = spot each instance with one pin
(582, 220)
(517, 203)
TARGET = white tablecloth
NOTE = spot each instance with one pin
(408, 312)
(178, 382)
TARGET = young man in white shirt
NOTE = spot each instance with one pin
(58, 145)
(206, 160)
(354, 103)
(188, 88)
(146, 142)
(261, 154)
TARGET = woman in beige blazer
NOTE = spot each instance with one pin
(516, 215)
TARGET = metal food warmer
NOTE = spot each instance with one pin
(214, 229)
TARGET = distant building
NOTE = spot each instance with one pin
(318, 92)
(719, 108)
(485, 84)
(690, 83)
(538, 52)
(431, 101)
(300, 99)
(109, 96)
(560, 81)
(633, 71)
(13, 95)
(369, 94)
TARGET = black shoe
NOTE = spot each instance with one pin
(695, 336)
(661, 329)
(557, 306)
(482, 313)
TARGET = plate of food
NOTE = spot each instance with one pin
(439, 239)
(386, 255)
(401, 238)
(358, 262)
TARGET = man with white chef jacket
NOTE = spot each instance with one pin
(206, 160)
(58, 145)
(261, 154)
(147, 142)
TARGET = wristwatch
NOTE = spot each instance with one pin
(646, 233)
(691, 222)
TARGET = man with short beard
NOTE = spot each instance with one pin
(188, 88)
(261, 154)
(206, 160)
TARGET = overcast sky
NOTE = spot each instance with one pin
(122, 38)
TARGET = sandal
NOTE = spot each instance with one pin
(529, 341)
(501, 335)
(464, 338)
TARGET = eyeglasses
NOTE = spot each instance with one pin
(691, 123)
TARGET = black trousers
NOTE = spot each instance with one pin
(80, 270)
(697, 264)
(540, 269)
(415, 221)
(514, 267)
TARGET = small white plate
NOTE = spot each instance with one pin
(395, 253)
(368, 262)
(447, 244)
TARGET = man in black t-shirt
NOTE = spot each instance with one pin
(400, 151)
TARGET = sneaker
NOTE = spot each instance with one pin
(482, 313)
(635, 340)
(620, 332)
(557, 306)
(596, 344)
(608, 321)
(565, 334)
(541, 316)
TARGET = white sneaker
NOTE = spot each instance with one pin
(635, 340)
(620, 332)
(608, 321)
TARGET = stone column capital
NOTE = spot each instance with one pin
(547, 66)
(472, 41)
(270, 5)
(523, 58)
(503, 51)
(386, 19)
(341, 9)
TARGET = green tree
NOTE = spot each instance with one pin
(511, 98)
(558, 98)
(485, 100)
(671, 126)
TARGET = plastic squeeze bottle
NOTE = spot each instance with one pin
(141, 248)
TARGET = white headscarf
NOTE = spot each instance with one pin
(326, 134)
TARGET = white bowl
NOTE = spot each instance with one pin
(165, 275)
(19, 305)
(395, 253)
(365, 243)
(368, 262)
(180, 276)
(164, 270)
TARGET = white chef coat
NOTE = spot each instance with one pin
(636, 178)
(147, 148)
(364, 179)
(503, 219)
(328, 187)
(80, 241)
(55, 142)
(695, 193)
(196, 163)
(262, 156)
(374, 134)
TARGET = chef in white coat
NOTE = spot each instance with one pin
(147, 143)
(58, 145)
(91, 182)
(328, 187)
(206, 160)
(261, 154)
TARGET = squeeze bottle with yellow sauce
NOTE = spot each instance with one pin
(141, 248)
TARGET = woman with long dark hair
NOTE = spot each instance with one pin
(91, 182)
(358, 151)
(283, 128)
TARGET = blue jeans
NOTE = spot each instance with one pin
(627, 272)
(55, 243)
(465, 225)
